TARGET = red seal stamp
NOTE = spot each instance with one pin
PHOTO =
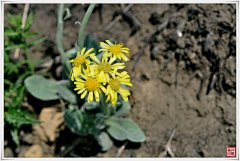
(230, 151)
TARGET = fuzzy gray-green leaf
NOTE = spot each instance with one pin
(104, 141)
(123, 128)
(64, 90)
(71, 118)
(42, 88)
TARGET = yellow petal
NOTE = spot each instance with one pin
(84, 94)
(108, 90)
(95, 58)
(101, 77)
(114, 100)
(124, 57)
(112, 60)
(83, 50)
(89, 51)
(96, 95)
(104, 45)
(90, 96)
(72, 60)
(81, 91)
(125, 99)
(129, 84)
(103, 89)
(80, 80)
(87, 61)
(108, 98)
(109, 43)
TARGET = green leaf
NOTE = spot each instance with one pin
(15, 46)
(71, 53)
(104, 141)
(99, 121)
(14, 134)
(11, 68)
(123, 128)
(18, 98)
(124, 109)
(6, 57)
(96, 46)
(21, 77)
(73, 122)
(68, 14)
(42, 88)
(14, 118)
(14, 20)
(40, 61)
(64, 89)
(91, 105)
(10, 32)
(29, 21)
(87, 41)
(30, 35)
(7, 82)
(21, 63)
(37, 41)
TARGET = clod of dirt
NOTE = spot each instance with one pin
(34, 151)
(29, 138)
(8, 152)
(51, 121)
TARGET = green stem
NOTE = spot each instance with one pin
(30, 64)
(83, 25)
(59, 34)
(105, 109)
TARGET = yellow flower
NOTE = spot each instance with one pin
(114, 86)
(90, 85)
(80, 60)
(104, 68)
(114, 50)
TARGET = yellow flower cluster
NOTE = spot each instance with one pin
(101, 76)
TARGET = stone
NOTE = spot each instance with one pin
(34, 151)
(8, 152)
(51, 121)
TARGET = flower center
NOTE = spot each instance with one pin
(91, 84)
(114, 84)
(79, 60)
(104, 67)
(115, 49)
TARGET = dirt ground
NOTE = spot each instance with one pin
(184, 78)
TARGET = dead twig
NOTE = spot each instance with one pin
(70, 148)
(205, 76)
(168, 145)
(130, 19)
(178, 70)
(117, 18)
(220, 76)
(211, 84)
(159, 28)
(24, 19)
(168, 61)
(120, 150)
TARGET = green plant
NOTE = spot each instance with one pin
(14, 73)
(104, 117)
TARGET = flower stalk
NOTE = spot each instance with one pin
(59, 39)
(83, 25)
